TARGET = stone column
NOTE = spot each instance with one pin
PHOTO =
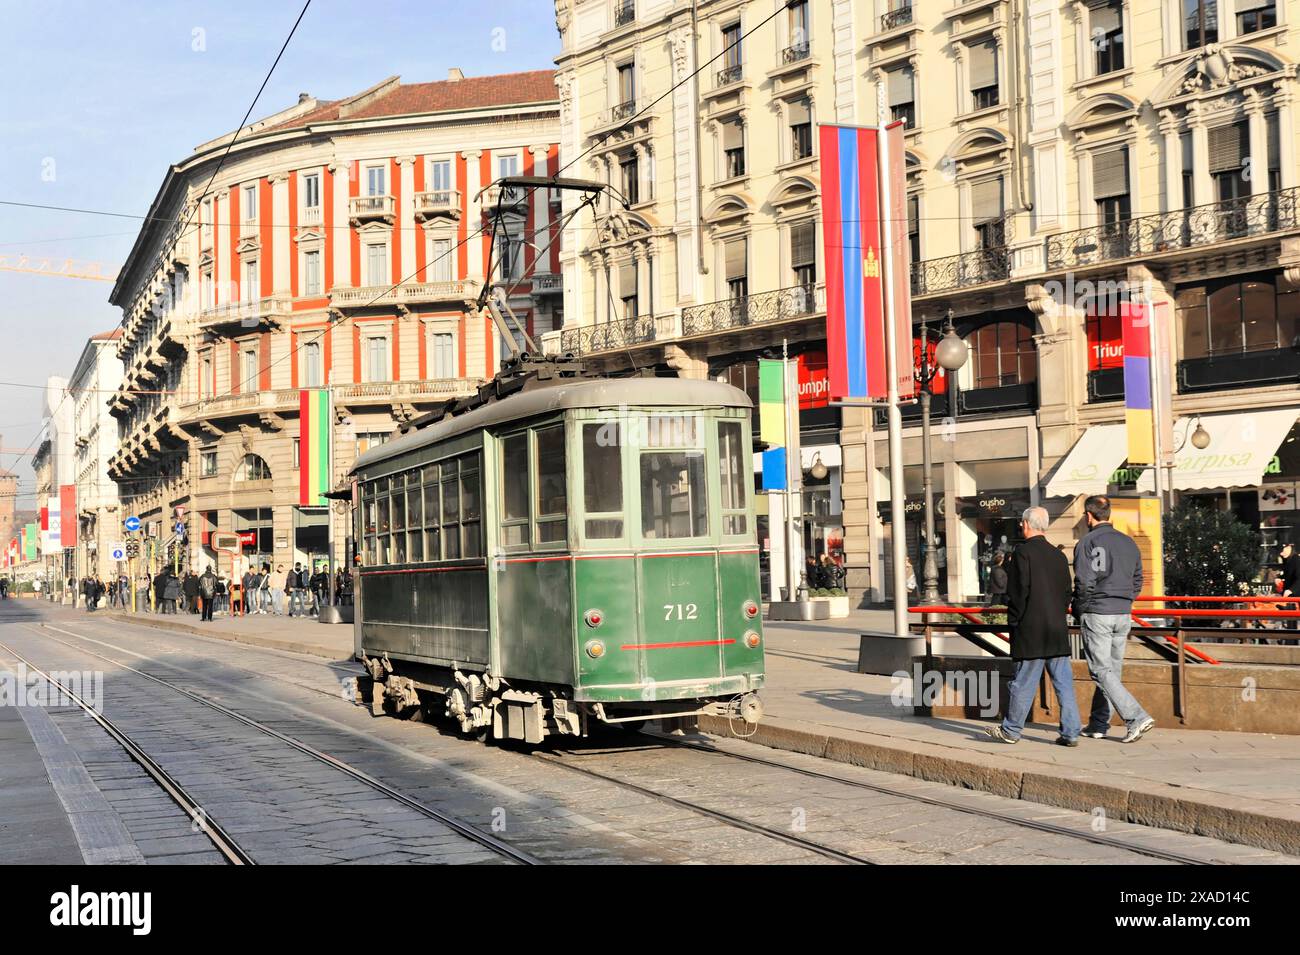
(281, 246)
(475, 263)
(1170, 130)
(1285, 137)
(342, 229)
(541, 237)
(1201, 184)
(855, 503)
(406, 230)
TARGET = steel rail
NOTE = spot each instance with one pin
(231, 850)
(465, 829)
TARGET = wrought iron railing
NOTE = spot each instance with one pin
(955, 271)
(623, 111)
(896, 18)
(1173, 231)
(624, 13)
(796, 52)
(730, 74)
(794, 302)
(607, 336)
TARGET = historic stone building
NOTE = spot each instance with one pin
(1061, 158)
(336, 244)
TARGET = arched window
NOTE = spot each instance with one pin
(1230, 318)
(1001, 354)
(253, 468)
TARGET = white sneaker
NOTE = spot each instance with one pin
(1137, 732)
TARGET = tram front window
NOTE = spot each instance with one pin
(551, 496)
(602, 480)
(673, 501)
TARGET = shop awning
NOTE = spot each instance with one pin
(1090, 463)
(1241, 446)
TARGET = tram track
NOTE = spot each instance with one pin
(464, 829)
(570, 763)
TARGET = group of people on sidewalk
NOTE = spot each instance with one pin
(258, 591)
(1039, 591)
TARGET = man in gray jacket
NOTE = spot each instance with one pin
(1107, 576)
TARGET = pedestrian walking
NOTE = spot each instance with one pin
(190, 590)
(171, 593)
(277, 591)
(1288, 581)
(1038, 593)
(293, 583)
(1107, 576)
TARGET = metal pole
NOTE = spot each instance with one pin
(931, 567)
(793, 572)
(897, 540)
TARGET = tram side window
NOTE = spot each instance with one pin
(369, 518)
(414, 521)
(450, 510)
(471, 507)
(397, 512)
(552, 506)
(514, 490)
(731, 456)
(602, 480)
(382, 551)
(432, 514)
(673, 500)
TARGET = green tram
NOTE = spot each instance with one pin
(577, 554)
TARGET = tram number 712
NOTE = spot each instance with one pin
(680, 611)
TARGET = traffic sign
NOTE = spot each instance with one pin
(180, 528)
(132, 523)
(117, 551)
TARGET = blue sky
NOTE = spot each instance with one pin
(100, 97)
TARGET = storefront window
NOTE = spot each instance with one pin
(1001, 354)
(1235, 317)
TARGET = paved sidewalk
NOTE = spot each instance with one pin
(1239, 787)
(1243, 787)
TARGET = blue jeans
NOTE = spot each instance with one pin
(296, 603)
(1024, 685)
(1104, 638)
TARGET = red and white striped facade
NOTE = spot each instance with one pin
(340, 244)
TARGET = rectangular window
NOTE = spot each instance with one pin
(552, 500)
(444, 355)
(514, 490)
(630, 179)
(310, 372)
(901, 89)
(248, 369)
(733, 149)
(983, 74)
(673, 500)
(735, 267)
(250, 203)
(731, 457)
(440, 264)
(1200, 22)
(986, 213)
(450, 483)
(510, 255)
(914, 226)
(1255, 15)
(731, 51)
(1110, 184)
(297, 451)
(207, 464)
(626, 84)
(471, 507)
(377, 264)
(1229, 147)
(370, 439)
(602, 480)
(205, 377)
(375, 181)
(311, 191)
(377, 358)
(627, 281)
(803, 253)
(801, 140)
(311, 279)
(440, 175)
(252, 282)
(1106, 34)
(207, 223)
(797, 26)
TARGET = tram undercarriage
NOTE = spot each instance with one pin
(486, 706)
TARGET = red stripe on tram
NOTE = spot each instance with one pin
(422, 570)
(670, 646)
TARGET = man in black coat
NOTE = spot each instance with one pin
(1038, 595)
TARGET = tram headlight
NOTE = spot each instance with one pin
(751, 609)
(594, 618)
(595, 649)
(752, 639)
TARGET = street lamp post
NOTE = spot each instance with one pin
(949, 354)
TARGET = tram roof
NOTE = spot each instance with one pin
(566, 393)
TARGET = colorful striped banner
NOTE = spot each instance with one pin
(1136, 326)
(855, 330)
(315, 446)
(771, 402)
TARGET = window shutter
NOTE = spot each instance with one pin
(799, 113)
(983, 65)
(986, 200)
(1104, 19)
(1228, 147)
(732, 136)
(900, 86)
(1110, 173)
(802, 244)
(1245, 6)
(735, 259)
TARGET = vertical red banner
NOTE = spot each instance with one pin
(68, 515)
